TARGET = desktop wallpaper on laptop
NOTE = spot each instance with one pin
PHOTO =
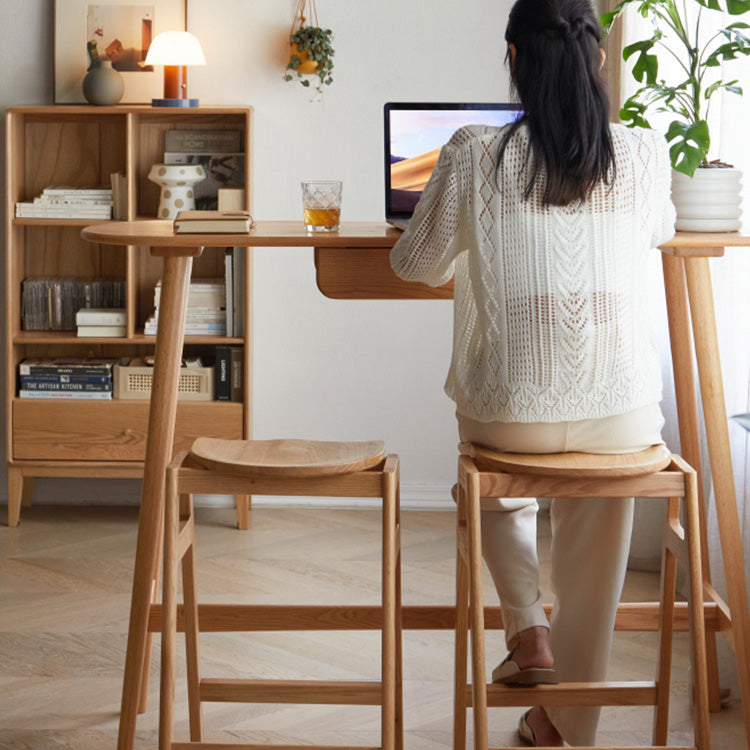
(416, 137)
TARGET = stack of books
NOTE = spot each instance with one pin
(101, 321)
(64, 202)
(66, 378)
(206, 309)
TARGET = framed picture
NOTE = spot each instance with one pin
(120, 31)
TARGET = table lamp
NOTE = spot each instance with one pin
(175, 50)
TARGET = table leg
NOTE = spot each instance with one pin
(159, 446)
(678, 316)
(700, 293)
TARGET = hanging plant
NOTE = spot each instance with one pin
(311, 52)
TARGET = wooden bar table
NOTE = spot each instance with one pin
(690, 309)
(353, 263)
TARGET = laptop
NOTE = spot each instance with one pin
(414, 133)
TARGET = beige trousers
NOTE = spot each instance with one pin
(590, 544)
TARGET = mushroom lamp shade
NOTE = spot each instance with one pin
(175, 50)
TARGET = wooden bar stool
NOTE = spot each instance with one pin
(279, 467)
(650, 473)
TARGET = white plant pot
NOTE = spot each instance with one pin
(709, 201)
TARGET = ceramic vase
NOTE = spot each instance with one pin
(103, 84)
(709, 201)
(176, 182)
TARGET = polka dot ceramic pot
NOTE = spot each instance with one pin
(176, 182)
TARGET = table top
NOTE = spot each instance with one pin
(160, 233)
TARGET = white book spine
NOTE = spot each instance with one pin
(82, 395)
(101, 317)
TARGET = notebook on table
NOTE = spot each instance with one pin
(414, 133)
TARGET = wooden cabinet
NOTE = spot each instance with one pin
(81, 146)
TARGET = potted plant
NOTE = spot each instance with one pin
(699, 188)
(311, 52)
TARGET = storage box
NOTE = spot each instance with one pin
(196, 383)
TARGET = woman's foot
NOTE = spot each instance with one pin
(532, 648)
(535, 728)
(529, 662)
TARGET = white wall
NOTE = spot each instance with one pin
(327, 369)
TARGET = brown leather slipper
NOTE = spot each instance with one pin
(509, 673)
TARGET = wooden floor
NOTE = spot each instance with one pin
(65, 577)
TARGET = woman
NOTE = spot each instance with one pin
(546, 225)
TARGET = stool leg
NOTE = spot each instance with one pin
(462, 626)
(697, 621)
(388, 648)
(242, 504)
(192, 629)
(169, 613)
(399, 625)
(666, 628)
(476, 594)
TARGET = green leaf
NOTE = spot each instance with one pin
(738, 7)
(713, 4)
(690, 144)
(647, 65)
(632, 114)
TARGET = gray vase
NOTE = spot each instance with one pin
(103, 84)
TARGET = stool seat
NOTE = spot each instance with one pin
(572, 465)
(287, 458)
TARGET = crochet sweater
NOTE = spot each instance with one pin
(551, 321)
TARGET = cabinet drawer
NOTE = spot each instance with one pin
(110, 430)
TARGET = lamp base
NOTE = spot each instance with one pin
(174, 102)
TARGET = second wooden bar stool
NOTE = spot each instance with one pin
(651, 473)
(279, 467)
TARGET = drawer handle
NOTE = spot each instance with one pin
(127, 432)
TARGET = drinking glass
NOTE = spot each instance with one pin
(321, 201)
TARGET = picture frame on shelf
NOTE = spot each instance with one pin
(122, 31)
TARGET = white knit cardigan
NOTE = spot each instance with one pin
(551, 321)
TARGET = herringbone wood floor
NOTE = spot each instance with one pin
(65, 577)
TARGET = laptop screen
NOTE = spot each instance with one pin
(415, 133)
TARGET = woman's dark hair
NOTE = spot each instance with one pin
(556, 73)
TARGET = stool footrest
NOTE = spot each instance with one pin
(235, 746)
(585, 747)
(629, 693)
(353, 692)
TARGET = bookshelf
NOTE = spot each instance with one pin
(79, 146)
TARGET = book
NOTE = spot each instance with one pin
(30, 385)
(213, 222)
(101, 330)
(202, 140)
(229, 291)
(62, 379)
(222, 375)
(57, 211)
(93, 396)
(119, 196)
(239, 260)
(97, 316)
(72, 190)
(68, 366)
(236, 370)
